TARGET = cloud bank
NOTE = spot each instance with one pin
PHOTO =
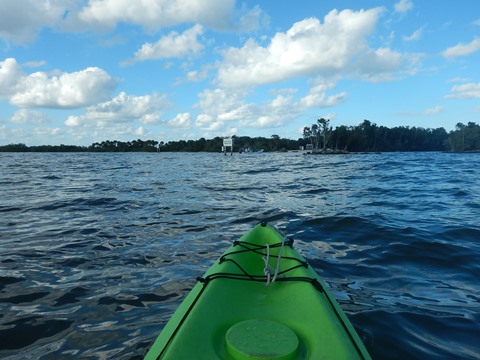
(21, 20)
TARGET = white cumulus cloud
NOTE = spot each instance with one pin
(311, 47)
(123, 108)
(223, 109)
(403, 6)
(197, 75)
(66, 90)
(180, 121)
(435, 110)
(10, 74)
(426, 112)
(20, 20)
(57, 90)
(153, 14)
(140, 131)
(28, 116)
(465, 91)
(278, 112)
(220, 101)
(252, 20)
(417, 34)
(208, 123)
(462, 49)
(380, 64)
(173, 45)
(47, 132)
(219, 106)
(317, 96)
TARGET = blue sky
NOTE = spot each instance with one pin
(82, 71)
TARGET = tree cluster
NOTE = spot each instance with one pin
(465, 138)
(319, 134)
(121, 146)
(368, 137)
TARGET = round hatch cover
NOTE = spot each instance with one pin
(261, 339)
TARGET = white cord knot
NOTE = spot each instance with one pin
(268, 269)
(266, 259)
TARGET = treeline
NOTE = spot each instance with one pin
(240, 144)
(104, 146)
(365, 137)
(42, 148)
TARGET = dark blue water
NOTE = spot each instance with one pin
(97, 250)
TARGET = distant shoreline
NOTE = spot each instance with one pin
(299, 152)
(364, 138)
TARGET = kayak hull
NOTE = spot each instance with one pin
(259, 282)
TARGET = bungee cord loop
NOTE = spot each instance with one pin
(269, 274)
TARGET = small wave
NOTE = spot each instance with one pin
(26, 298)
(141, 300)
(73, 262)
(420, 333)
(260, 171)
(79, 203)
(340, 224)
(10, 209)
(316, 191)
(26, 331)
(71, 297)
(462, 235)
(51, 177)
(8, 280)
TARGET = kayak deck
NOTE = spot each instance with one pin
(259, 291)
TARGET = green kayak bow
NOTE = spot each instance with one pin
(259, 300)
